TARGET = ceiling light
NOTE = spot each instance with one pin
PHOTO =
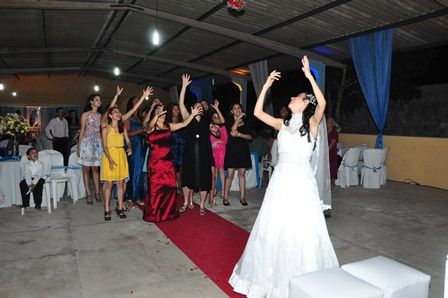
(14, 93)
(116, 71)
(155, 38)
(96, 88)
(2, 86)
(147, 98)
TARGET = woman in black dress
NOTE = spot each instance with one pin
(198, 158)
(237, 152)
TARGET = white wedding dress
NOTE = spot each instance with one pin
(290, 235)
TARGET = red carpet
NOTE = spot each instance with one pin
(213, 243)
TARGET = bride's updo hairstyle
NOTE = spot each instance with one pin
(306, 115)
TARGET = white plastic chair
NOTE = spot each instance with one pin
(4, 143)
(74, 171)
(265, 166)
(23, 149)
(348, 170)
(383, 171)
(45, 160)
(57, 176)
(371, 170)
(274, 154)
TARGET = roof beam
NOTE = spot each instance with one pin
(194, 66)
(78, 68)
(180, 32)
(234, 34)
(189, 65)
(398, 24)
(37, 69)
(108, 38)
(25, 50)
(8, 67)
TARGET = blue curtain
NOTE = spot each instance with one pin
(206, 86)
(372, 55)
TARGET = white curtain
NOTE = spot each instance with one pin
(259, 73)
(174, 95)
(321, 165)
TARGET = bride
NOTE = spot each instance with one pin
(289, 236)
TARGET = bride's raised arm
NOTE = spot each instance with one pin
(258, 111)
(321, 103)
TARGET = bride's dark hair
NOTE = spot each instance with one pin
(306, 115)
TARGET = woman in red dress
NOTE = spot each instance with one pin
(162, 190)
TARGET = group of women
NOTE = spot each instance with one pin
(180, 149)
(189, 147)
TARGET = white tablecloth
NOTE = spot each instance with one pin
(9, 182)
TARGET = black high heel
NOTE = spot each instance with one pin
(107, 215)
(120, 213)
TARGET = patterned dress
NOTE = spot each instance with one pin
(91, 148)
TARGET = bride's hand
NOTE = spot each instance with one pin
(274, 76)
(306, 67)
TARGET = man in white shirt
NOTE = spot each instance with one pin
(57, 131)
(33, 182)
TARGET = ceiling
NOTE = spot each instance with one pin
(201, 37)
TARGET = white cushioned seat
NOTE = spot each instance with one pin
(334, 283)
(396, 280)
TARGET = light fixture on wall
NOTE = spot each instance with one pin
(14, 93)
(96, 88)
(155, 34)
(2, 87)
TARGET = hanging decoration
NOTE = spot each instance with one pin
(237, 5)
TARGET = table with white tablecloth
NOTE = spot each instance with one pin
(9, 182)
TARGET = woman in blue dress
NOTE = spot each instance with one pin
(178, 142)
(135, 191)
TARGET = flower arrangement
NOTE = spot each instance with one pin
(237, 5)
(13, 125)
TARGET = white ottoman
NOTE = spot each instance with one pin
(334, 283)
(396, 280)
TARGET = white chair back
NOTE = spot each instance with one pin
(74, 170)
(373, 159)
(384, 168)
(351, 158)
(4, 143)
(371, 170)
(45, 158)
(23, 149)
(57, 169)
(348, 170)
(274, 153)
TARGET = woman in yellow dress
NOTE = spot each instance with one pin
(114, 163)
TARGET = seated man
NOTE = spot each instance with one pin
(33, 182)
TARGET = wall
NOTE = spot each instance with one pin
(65, 89)
(424, 160)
